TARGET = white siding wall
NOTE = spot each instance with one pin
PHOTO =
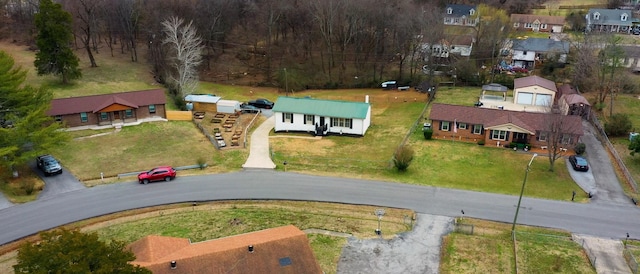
(541, 96)
(358, 126)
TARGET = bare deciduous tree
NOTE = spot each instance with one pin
(185, 50)
(558, 133)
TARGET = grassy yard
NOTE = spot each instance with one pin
(142, 147)
(490, 250)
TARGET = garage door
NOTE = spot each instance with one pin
(525, 98)
(556, 29)
(543, 100)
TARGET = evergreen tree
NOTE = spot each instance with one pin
(25, 128)
(54, 42)
(71, 251)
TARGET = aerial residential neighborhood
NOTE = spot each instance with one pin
(319, 136)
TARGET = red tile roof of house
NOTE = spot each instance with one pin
(567, 89)
(530, 121)
(277, 250)
(534, 81)
(95, 103)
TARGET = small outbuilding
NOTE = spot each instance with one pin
(202, 102)
(228, 106)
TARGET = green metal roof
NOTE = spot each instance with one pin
(329, 108)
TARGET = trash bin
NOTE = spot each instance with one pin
(426, 126)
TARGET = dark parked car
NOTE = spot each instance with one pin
(261, 103)
(166, 173)
(246, 108)
(578, 163)
(48, 165)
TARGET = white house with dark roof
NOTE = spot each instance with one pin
(530, 94)
(537, 23)
(526, 53)
(322, 117)
(610, 20)
(461, 15)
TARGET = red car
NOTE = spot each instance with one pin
(166, 173)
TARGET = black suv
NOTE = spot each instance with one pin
(48, 165)
(261, 103)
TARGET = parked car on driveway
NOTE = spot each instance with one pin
(165, 173)
(579, 163)
(246, 108)
(261, 103)
(48, 165)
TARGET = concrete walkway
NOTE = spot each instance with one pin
(605, 254)
(259, 153)
(4, 202)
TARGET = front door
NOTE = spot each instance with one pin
(116, 115)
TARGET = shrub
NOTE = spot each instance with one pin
(428, 133)
(202, 163)
(618, 125)
(481, 142)
(580, 148)
(403, 157)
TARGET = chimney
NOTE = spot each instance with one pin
(250, 248)
(366, 98)
(174, 265)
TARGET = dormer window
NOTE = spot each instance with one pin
(449, 10)
(596, 16)
(623, 17)
(472, 12)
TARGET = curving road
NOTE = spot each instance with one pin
(608, 220)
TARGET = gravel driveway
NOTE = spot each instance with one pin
(416, 251)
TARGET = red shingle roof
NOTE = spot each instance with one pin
(95, 103)
(534, 81)
(278, 250)
(530, 121)
(544, 19)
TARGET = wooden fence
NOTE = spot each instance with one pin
(174, 115)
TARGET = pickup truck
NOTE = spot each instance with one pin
(48, 165)
(261, 103)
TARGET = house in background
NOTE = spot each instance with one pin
(571, 102)
(498, 127)
(461, 15)
(529, 52)
(530, 94)
(610, 20)
(277, 250)
(322, 117)
(537, 23)
(114, 109)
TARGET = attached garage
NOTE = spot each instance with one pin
(228, 106)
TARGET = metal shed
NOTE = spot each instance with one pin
(228, 106)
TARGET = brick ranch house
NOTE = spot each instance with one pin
(283, 249)
(110, 109)
(499, 127)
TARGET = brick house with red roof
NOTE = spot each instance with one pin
(277, 250)
(498, 127)
(109, 109)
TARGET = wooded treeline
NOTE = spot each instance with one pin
(307, 43)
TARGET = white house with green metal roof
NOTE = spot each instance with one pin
(322, 117)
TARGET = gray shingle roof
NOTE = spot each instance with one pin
(329, 108)
(610, 17)
(540, 45)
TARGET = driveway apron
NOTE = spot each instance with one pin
(58, 184)
(259, 155)
(608, 189)
(4, 202)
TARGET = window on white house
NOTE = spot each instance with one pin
(128, 113)
(516, 25)
(104, 116)
(499, 135)
(472, 12)
(456, 20)
(447, 20)
(83, 117)
(449, 11)
(527, 25)
(288, 117)
(477, 129)
(542, 137)
(309, 119)
(462, 126)
(444, 126)
(623, 17)
(152, 108)
(543, 26)
(596, 16)
(341, 122)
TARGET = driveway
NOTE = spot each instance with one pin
(57, 184)
(4, 203)
(601, 175)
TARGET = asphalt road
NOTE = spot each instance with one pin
(605, 220)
